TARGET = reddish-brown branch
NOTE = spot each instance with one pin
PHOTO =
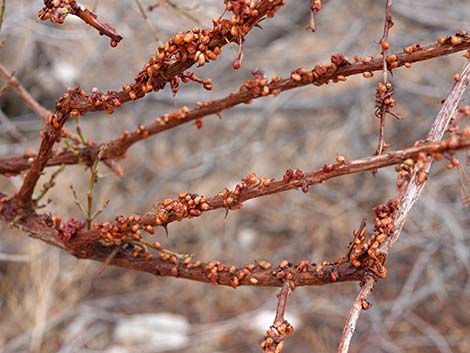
(104, 29)
(258, 274)
(118, 147)
(57, 10)
(29, 100)
(276, 334)
(92, 244)
(89, 245)
(23, 199)
(171, 59)
(176, 56)
(86, 244)
(191, 205)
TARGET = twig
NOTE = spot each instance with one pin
(315, 6)
(2, 13)
(49, 184)
(93, 179)
(29, 100)
(384, 43)
(276, 334)
(147, 19)
(175, 7)
(384, 92)
(12, 129)
(408, 195)
(359, 303)
(56, 11)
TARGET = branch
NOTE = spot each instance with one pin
(359, 304)
(384, 94)
(407, 195)
(52, 132)
(192, 205)
(100, 243)
(260, 273)
(171, 59)
(251, 89)
(411, 192)
(57, 10)
(27, 98)
(315, 6)
(179, 54)
(276, 334)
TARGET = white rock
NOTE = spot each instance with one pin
(265, 318)
(246, 237)
(163, 331)
(65, 72)
(117, 349)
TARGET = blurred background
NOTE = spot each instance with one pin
(51, 302)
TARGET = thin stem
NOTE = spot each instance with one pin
(27, 98)
(407, 195)
(382, 107)
(358, 304)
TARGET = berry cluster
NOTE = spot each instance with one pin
(365, 252)
(57, 10)
(275, 336)
(202, 45)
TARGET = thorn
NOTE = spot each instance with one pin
(226, 212)
(165, 226)
(107, 261)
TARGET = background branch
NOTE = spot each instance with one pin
(407, 195)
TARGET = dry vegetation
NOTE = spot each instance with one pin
(52, 302)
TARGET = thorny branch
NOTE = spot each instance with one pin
(407, 195)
